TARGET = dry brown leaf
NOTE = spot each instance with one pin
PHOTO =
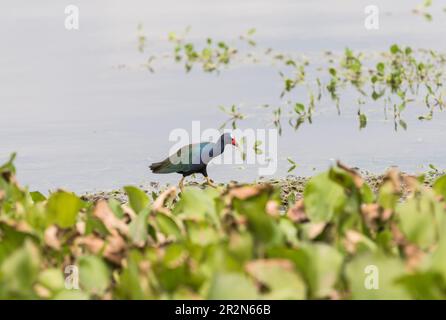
(283, 263)
(371, 214)
(103, 212)
(80, 227)
(92, 243)
(51, 239)
(115, 249)
(297, 212)
(272, 208)
(412, 184)
(316, 229)
(413, 254)
(386, 215)
(351, 240)
(393, 175)
(357, 179)
(246, 192)
(41, 291)
(128, 212)
(158, 204)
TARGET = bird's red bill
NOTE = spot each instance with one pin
(233, 142)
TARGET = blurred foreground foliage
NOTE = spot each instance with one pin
(240, 242)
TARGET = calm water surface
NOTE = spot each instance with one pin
(83, 114)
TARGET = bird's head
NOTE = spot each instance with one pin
(228, 138)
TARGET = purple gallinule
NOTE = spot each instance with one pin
(193, 158)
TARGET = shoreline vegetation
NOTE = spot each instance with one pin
(340, 237)
(289, 185)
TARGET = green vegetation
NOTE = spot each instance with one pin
(235, 242)
(393, 80)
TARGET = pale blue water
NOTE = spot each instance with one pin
(79, 121)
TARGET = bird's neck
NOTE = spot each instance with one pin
(218, 148)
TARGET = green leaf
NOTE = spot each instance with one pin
(19, 271)
(201, 233)
(37, 196)
(439, 186)
(131, 284)
(198, 204)
(71, 295)
(231, 286)
(168, 225)
(417, 220)
(394, 49)
(367, 270)
(322, 198)
(319, 264)
(299, 108)
(62, 208)
(94, 275)
(138, 228)
(115, 206)
(260, 223)
(138, 199)
(362, 120)
(52, 279)
(424, 285)
(279, 276)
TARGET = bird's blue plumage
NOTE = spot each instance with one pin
(191, 159)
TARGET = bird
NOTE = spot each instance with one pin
(194, 158)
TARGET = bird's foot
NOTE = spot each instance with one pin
(181, 185)
(210, 182)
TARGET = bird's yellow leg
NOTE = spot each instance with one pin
(181, 184)
(210, 182)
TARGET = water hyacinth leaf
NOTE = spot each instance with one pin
(94, 275)
(52, 279)
(71, 295)
(201, 233)
(116, 208)
(319, 264)
(323, 269)
(223, 287)
(439, 186)
(280, 278)
(375, 276)
(424, 285)
(138, 199)
(173, 272)
(138, 228)
(260, 223)
(168, 225)
(198, 204)
(10, 240)
(322, 198)
(241, 246)
(417, 221)
(388, 196)
(437, 260)
(63, 208)
(131, 284)
(19, 271)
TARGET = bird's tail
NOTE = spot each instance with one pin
(161, 167)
